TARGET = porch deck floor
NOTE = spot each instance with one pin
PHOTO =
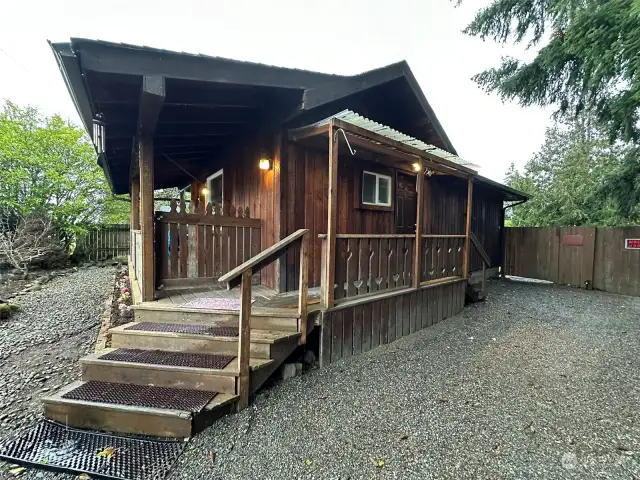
(263, 297)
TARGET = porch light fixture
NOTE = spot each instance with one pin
(204, 191)
(264, 163)
(416, 166)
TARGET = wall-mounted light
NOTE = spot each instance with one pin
(264, 163)
(204, 191)
(416, 167)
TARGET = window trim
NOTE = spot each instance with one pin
(377, 203)
(219, 173)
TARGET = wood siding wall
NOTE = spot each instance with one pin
(353, 330)
(304, 192)
(305, 186)
(245, 185)
(487, 223)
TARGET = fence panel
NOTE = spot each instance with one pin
(103, 242)
(585, 257)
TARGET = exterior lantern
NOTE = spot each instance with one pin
(264, 163)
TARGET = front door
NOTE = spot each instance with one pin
(406, 203)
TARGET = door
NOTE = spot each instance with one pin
(406, 203)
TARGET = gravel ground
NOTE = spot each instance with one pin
(539, 381)
(40, 347)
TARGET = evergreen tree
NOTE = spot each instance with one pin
(568, 180)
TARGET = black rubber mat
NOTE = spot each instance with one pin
(51, 446)
(141, 396)
(212, 330)
(176, 359)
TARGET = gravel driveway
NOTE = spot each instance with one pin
(539, 381)
(40, 347)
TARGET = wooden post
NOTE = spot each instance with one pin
(332, 220)
(146, 216)
(135, 203)
(304, 287)
(244, 340)
(417, 256)
(467, 239)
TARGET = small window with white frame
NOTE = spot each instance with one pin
(215, 188)
(376, 189)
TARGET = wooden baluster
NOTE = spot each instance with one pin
(352, 267)
(233, 260)
(383, 265)
(244, 340)
(363, 266)
(374, 248)
(304, 287)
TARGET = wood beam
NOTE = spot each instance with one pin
(417, 257)
(135, 203)
(467, 240)
(145, 149)
(151, 101)
(332, 219)
(400, 146)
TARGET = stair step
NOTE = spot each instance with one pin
(166, 369)
(125, 408)
(263, 318)
(194, 338)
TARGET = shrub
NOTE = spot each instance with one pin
(8, 309)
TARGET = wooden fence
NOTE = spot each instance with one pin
(204, 244)
(103, 242)
(585, 257)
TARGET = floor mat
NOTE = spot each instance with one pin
(51, 446)
(174, 359)
(141, 396)
(212, 330)
(213, 303)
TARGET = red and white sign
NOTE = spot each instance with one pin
(632, 243)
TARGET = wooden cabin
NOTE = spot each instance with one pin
(315, 211)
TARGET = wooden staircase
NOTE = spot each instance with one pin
(174, 370)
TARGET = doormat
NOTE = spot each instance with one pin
(52, 446)
(213, 303)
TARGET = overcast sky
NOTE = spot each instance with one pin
(343, 37)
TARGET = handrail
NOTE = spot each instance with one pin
(241, 275)
(368, 235)
(258, 262)
(483, 253)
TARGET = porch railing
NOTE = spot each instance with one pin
(203, 244)
(442, 257)
(367, 264)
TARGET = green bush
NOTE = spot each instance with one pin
(8, 309)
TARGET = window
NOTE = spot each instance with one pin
(376, 189)
(215, 186)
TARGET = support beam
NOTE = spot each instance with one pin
(467, 240)
(146, 217)
(135, 203)
(417, 257)
(151, 99)
(332, 219)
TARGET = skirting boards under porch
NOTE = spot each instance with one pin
(351, 330)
